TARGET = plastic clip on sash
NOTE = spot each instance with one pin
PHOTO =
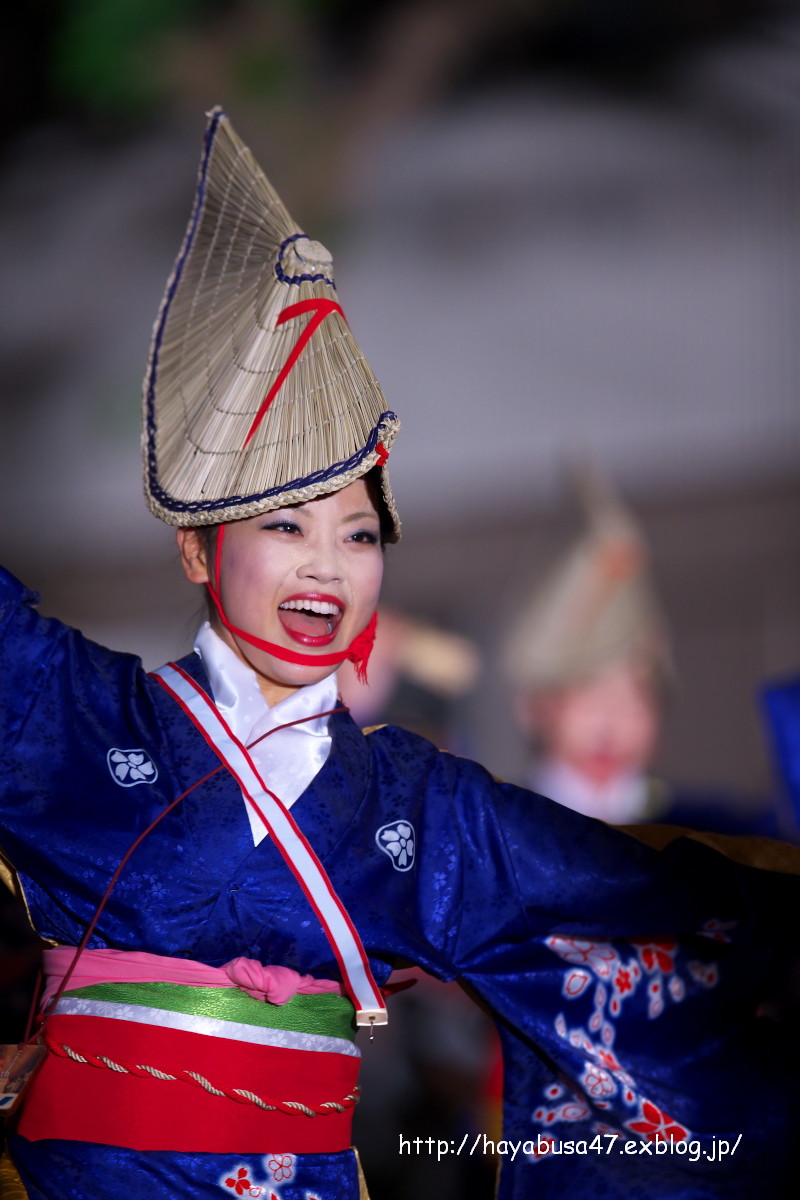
(289, 839)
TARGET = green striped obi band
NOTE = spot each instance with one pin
(322, 1022)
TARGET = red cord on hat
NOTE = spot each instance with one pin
(321, 308)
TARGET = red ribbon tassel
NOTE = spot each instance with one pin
(361, 648)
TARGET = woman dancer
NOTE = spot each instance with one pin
(226, 869)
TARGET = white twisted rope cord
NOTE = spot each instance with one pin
(241, 1095)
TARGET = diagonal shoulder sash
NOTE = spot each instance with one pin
(289, 839)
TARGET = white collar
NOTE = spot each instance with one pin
(290, 759)
(236, 692)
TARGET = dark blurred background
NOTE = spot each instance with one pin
(561, 227)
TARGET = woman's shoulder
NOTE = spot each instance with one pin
(402, 752)
(395, 742)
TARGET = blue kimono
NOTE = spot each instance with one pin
(782, 709)
(624, 979)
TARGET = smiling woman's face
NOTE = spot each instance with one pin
(306, 578)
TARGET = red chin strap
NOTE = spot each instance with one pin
(357, 652)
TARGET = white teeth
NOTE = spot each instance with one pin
(323, 607)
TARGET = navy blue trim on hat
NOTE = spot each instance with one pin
(223, 503)
(284, 278)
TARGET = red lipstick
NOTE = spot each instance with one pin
(306, 626)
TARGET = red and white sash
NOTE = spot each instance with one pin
(289, 839)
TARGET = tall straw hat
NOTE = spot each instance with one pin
(256, 394)
(597, 607)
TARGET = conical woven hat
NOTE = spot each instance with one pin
(597, 607)
(256, 395)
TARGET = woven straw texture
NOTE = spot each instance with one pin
(248, 406)
(597, 607)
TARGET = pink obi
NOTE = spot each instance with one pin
(275, 984)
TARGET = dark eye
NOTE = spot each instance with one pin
(283, 526)
(365, 536)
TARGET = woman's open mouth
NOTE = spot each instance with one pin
(311, 619)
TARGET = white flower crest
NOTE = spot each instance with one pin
(129, 767)
(398, 840)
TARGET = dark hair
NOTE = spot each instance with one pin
(208, 538)
(374, 486)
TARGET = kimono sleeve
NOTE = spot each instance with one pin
(625, 979)
(520, 868)
(781, 704)
(60, 693)
(28, 643)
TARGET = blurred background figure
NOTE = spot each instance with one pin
(588, 660)
(589, 663)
